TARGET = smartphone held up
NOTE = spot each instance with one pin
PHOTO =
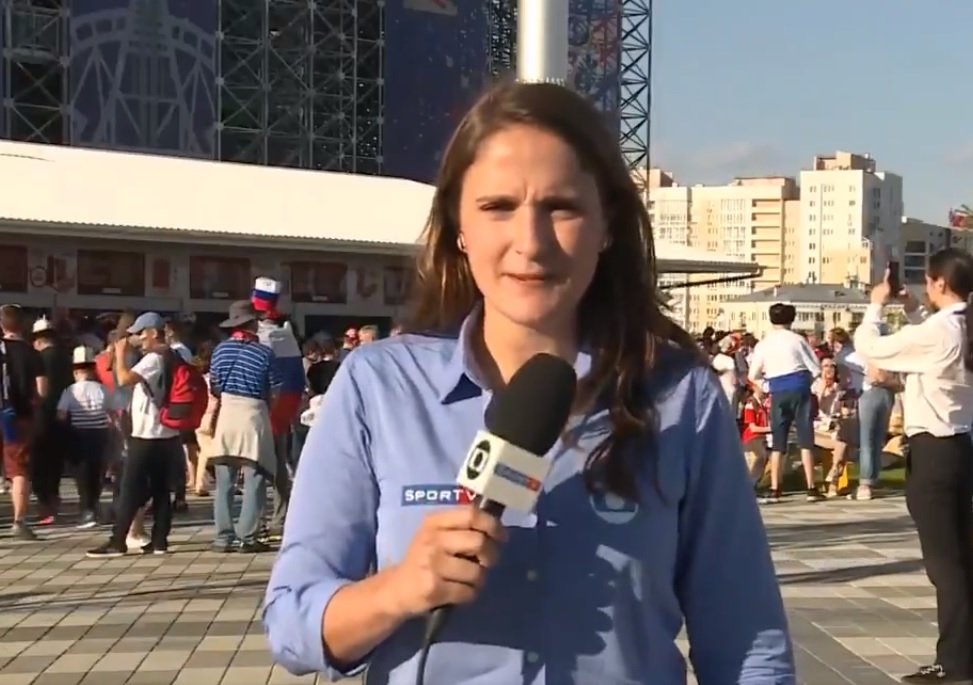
(894, 278)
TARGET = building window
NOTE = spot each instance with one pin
(914, 276)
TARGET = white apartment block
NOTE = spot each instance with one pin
(670, 206)
(745, 219)
(851, 218)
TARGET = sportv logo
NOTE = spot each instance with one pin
(426, 495)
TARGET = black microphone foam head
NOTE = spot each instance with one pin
(531, 411)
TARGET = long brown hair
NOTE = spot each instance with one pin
(621, 313)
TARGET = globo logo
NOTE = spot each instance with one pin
(478, 459)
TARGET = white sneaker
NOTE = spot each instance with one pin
(864, 493)
(136, 542)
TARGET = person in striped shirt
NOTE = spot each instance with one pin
(244, 378)
(84, 406)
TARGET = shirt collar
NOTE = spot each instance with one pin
(954, 308)
(462, 379)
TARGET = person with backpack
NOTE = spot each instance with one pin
(168, 396)
(22, 384)
(244, 378)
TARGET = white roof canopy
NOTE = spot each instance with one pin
(74, 191)
(138, 194)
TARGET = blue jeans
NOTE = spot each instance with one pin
(251, 511)
(874, 411)
(299, 432)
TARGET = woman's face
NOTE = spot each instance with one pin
(829, 372)
(532, 225)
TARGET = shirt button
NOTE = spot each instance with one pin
(532, 657)
(532, 575)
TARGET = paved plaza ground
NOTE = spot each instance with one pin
(859, 605)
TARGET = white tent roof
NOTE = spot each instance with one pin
(135, 193)
(74, 190)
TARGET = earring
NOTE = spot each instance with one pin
(461, 242)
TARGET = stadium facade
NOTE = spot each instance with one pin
(364, 86)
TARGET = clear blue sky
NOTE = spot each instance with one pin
(744, 87)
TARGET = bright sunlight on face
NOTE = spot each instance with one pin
(533, 225)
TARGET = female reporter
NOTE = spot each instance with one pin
(537, 241)
(935, 353)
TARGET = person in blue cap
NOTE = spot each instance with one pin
(154, 449)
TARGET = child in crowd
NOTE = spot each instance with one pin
(84, 406)
(756, 432)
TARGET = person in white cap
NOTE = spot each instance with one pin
(274, 332)
(51, 441)
(84, 407)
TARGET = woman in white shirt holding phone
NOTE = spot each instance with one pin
(935, 354)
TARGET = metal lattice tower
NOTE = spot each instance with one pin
(33, 70)
(502, 32)
(635, 97)
(301, 83)
(635, 70)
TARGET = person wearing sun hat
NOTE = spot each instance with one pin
(243, 378)
(289, 362)
(84, 407)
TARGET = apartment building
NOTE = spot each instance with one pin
(755, 219)
(851, 218)
(919, 240)
(669, 206)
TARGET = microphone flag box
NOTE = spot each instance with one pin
(501, 472)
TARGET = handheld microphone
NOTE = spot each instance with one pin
(505, 466)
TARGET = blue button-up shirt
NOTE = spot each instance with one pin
(589, 590)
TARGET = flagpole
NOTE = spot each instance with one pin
(542, 41)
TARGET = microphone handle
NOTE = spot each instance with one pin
(437, 617)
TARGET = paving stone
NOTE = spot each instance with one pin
(859, 603)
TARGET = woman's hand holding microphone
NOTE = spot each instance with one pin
(447, 561)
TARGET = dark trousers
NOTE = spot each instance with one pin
(147, 473)
(939, 495)
(47, 464)
(90, 447)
